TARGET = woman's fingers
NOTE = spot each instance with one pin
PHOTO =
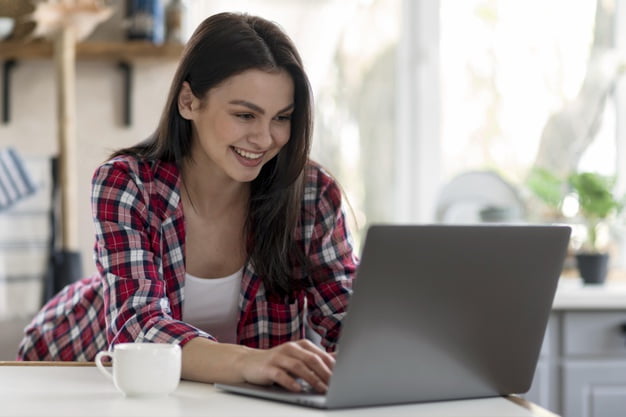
(317, 377)
(290, 361)
(285, 380)
(313, 357)
(327, 358)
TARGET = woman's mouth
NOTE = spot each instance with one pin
(247, 158)
(247, 154)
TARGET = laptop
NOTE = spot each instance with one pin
(441, 312)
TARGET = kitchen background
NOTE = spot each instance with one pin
(426, 110)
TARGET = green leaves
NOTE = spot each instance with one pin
(595, 196)
(546, 186)
(594, 192)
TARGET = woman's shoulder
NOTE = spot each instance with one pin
(129, 179)
(318, 176)
(140, 169)
(320, 182)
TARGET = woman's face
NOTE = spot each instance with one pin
(240, 124)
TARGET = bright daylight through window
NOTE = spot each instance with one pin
(511, 73)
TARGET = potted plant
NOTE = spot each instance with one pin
(597, 208)
(549, 191)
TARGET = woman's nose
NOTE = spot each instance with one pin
(262, 137)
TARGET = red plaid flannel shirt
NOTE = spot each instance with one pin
(139, 290)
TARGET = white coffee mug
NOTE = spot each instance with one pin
(143, 368)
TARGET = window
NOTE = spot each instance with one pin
(411, 93)
(507, 67)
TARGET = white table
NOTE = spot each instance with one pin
(61, 390)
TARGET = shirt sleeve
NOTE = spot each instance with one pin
(332, 264)
(136, 303)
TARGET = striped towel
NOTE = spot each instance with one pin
(25, 234)
(15, 182)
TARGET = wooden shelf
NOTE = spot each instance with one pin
(124, 53)
(120, 51)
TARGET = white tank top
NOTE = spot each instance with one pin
(212, 305)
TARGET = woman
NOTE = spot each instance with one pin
(217, 233)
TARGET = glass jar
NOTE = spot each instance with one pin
(175, 15)
(145, 20)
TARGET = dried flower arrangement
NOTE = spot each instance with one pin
(81, 15)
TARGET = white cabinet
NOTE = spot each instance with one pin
(582, 367)
(594, 388)
(592, 333)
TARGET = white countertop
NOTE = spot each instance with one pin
(33, 391)
(572, 293)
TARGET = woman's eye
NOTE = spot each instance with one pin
(284, 118)
(245, 116)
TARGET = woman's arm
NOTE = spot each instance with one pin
(207, 361)
(330, 252)
(137, 295)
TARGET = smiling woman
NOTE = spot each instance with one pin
(242, 123)
(223, 197)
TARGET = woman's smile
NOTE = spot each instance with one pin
(242, 123)
(248, 158)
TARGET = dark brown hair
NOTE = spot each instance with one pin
(224, 45)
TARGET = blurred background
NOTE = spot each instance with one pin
(426, 111)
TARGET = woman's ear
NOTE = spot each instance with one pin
(187, 102)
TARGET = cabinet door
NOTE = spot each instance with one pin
(594, 333)
(594, 388)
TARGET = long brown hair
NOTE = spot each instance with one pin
(224, 45)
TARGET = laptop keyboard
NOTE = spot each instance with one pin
(306, 387)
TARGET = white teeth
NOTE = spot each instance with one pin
(246, 154)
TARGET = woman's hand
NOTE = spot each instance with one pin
(205, 360)
(284, 363)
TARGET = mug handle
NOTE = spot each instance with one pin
(99, 364)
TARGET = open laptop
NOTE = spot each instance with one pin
(441, 312)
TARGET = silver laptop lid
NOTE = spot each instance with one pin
(447, 312)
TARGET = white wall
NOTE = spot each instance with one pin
(32, 128)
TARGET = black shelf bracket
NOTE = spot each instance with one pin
(127, 74)
(7, 70)
(127, 85)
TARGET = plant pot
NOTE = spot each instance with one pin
(593, 267)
